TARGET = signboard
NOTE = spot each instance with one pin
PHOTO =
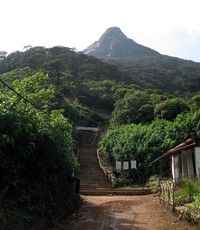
(118, 165)
(133, 164)
(125, 165)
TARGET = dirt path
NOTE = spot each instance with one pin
(123, 213)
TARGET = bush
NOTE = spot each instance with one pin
(190, 189)
(36, 157)
(187, 192)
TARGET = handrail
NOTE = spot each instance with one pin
(106, 171)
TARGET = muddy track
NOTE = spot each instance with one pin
(123, 213)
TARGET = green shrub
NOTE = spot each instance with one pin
(196, 203)
(36, 156)
(190, 189)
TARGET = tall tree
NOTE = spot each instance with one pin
(3, 55)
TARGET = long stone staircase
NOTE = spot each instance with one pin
(93, 181)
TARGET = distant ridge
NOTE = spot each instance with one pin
(115, 44)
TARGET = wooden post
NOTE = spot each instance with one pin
(173, 201)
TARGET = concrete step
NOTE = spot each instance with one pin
(93, 180)
(91, 175)
(114, 191)
(96, 185)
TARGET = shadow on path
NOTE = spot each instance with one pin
(123, 213)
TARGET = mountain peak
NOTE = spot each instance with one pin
(115, 44)
(113, 32)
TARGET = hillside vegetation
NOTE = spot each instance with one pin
(36, 154)
(45, 92)
(169, 74)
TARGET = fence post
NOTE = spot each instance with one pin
(173, 201)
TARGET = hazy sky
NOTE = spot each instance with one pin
(171, 27)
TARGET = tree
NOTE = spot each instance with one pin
(131, 109)
(196, 101)
(55, 68)
(36, 153)
(170, 108)
(144, 143)
(3, 55)
(27, 47)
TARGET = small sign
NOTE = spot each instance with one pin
(118, 165)
(125, 165)
(133, 164)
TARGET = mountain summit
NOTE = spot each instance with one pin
(115, 44)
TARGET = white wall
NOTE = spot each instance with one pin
(184, 163)
(190, 165)
(197, 160)
(175, 167)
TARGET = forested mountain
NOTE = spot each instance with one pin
(84, 83)
(67, 67)
(61, 61)
(144, 66)
(45, 92)
(76, 75)
(170, 74)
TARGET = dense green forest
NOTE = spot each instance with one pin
(45, 92)
(170, 74)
